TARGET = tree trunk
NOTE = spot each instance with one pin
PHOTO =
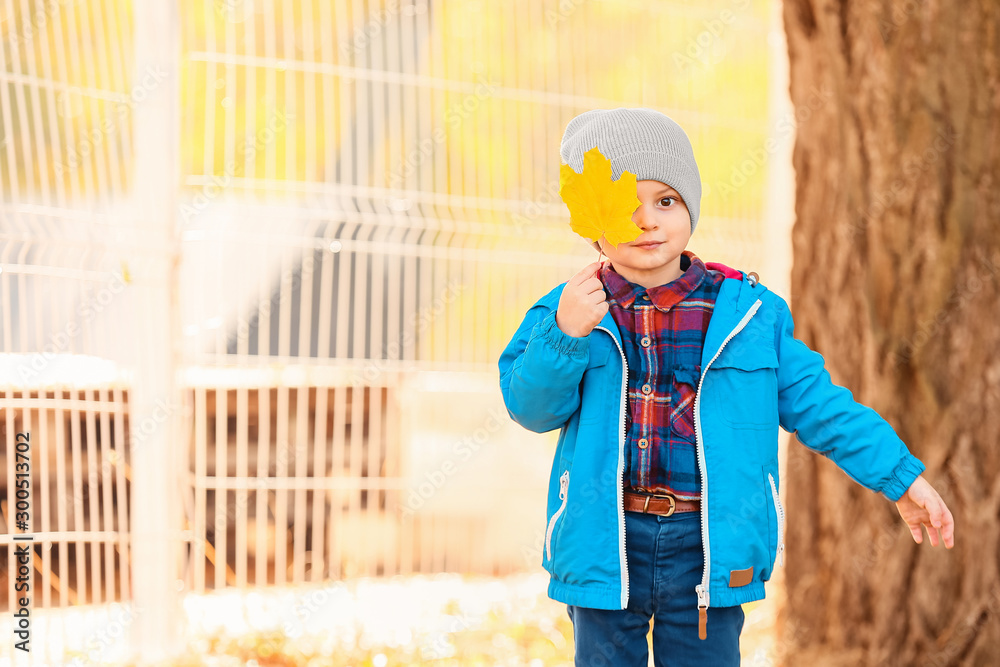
(896, 281)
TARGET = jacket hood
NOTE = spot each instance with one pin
(727, 271)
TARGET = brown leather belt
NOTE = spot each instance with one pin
(663, 504)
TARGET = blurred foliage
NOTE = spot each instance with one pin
(508, 637)
(535, 633)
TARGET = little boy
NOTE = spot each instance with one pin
(669, 378)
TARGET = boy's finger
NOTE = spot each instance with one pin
(585, 273)
(597, 296)
(934, 512)
(949, 529)
(938, 512)
(593, 284)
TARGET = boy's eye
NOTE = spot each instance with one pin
(663, 199)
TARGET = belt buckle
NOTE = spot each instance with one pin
(673, 502)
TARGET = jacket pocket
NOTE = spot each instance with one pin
(563, 488)
(741, 385)
(780, 514)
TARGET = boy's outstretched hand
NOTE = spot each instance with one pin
(922, 506)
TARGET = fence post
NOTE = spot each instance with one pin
(155, 406)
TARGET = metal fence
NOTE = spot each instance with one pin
(258, 259)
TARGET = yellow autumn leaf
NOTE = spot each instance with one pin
(598, 205)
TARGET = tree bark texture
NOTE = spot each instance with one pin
(896, 281)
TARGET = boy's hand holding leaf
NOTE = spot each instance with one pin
(598, 206)
(582, 303)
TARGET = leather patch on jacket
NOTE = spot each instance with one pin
(740, 577)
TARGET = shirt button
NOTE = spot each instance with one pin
(645, 341)
(646, 389)
(643, 443)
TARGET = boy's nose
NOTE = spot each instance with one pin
(641, 219)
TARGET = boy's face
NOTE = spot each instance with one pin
(665, 222)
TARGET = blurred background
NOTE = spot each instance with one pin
(258, 259)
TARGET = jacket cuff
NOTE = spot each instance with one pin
(573, 346)
(903, 475)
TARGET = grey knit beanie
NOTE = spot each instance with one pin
(642, 141)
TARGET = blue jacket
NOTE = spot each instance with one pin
(755, 377)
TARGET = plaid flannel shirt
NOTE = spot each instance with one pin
(663, 331)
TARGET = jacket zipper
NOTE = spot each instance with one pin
(623, 558)
(702, 588)
(563, 486)
(781, 519)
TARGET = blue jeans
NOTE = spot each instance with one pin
(664, 565)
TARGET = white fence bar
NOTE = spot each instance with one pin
(155, 414)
